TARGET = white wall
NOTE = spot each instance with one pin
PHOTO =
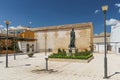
(23, 46)
(115, 37)
(50, 41)
(99, 48)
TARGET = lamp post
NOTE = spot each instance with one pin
(14, 46)
(7, 23)
(0, 44)
(104, 9)
(46, 56)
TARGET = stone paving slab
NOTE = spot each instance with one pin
(24, 68)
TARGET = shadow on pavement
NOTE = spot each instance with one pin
(1, 61)
(39, 71)
(27, 65)
(113, 74)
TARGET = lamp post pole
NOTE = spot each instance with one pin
(104, 9)
(7, 23)
(46, 56)
(14, 46)
(0, 44)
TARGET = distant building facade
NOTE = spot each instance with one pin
(98, 42)
(55, 37)
(18, 41)
(27, 41)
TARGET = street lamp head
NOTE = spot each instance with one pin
(7, 22)
(105, 8)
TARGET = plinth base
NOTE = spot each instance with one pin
(71, 51)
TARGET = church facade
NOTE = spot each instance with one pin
(115, 39)
(52, 38)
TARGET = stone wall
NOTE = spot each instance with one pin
(59, 37)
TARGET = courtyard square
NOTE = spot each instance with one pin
(25, 68)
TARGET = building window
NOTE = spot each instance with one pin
(28, 47)
(32, 47)
(108, 47)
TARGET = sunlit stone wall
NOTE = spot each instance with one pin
(59, 36)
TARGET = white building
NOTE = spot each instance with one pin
(115, 39)
(98, 42)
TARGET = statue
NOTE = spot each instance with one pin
(72, 39)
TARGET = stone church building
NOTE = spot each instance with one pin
(54, 37)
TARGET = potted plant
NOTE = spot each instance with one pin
(30, 54)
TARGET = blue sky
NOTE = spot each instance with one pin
(58, 12)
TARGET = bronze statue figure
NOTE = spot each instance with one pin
(72, 39)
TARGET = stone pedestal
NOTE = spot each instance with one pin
(71, 51)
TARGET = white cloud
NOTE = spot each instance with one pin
(17, 28)
(1, 26)
(112, 21)
(11, 27)
(30, 22)
(20, 27)
(95, 34)
(117, 4)
(96, 11)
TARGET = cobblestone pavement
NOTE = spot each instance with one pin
(24, 68)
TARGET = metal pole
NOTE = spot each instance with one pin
(36, 42)
(0, 45)
(98, 47)
(7, 48)
(45, 46)
(14, 46)
(105, 57)
(46, 58)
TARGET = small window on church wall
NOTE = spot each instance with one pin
(32, 47)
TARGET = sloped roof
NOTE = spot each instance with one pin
(102, 34)
(66, 26)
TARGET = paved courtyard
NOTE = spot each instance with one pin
(24, 68)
